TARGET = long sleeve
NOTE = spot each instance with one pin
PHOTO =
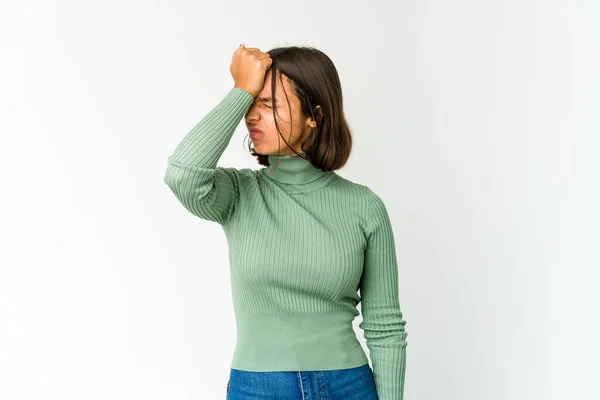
(382, 322)
(208, 191)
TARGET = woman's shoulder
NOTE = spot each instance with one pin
(373, 201)
(359, 188)
(240, 174)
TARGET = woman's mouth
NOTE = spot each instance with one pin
(255, 134)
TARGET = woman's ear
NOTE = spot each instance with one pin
(319, 110)
(313, 123)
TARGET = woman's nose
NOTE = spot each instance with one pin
(252, 114)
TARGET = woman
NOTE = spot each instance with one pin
(302, 239)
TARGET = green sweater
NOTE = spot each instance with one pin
(302, 242)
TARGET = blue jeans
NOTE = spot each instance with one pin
(340, 384)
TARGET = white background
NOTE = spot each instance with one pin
(476, 121)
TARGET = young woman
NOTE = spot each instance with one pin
(302, 240)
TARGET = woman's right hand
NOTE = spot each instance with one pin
(248, 68)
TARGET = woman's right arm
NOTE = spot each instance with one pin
(208, 191)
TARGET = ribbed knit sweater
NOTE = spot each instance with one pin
(302, 242)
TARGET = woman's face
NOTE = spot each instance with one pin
(260, 116)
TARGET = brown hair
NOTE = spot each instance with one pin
(314, 80)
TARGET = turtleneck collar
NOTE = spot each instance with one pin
(297, 173)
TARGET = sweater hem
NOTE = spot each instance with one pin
(297, 342)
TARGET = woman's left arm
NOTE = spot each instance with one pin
(382, 323)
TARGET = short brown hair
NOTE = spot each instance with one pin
(314, 80)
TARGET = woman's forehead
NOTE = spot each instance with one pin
(278, 79)
(265, 93)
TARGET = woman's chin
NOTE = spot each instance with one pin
(259, 147)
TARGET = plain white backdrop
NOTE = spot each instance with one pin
(476, 121)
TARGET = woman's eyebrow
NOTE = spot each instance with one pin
(265, 99)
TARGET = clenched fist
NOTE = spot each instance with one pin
(248, 68)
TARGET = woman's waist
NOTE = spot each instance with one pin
(296, 341)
